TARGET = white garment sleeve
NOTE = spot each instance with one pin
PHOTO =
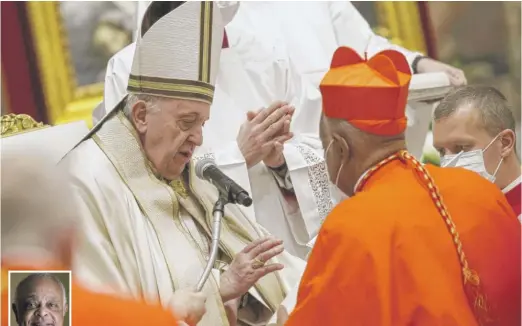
(96, 261)
(304, 158)
(311, 184)
(353, 30)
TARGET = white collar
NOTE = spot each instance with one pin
(512, 185)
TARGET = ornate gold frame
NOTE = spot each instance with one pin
(14, 124)
(400, 21)
(65, 101)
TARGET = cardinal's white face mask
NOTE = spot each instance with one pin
(337, 194)
(473, 161)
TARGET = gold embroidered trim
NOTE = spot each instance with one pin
(179, 188)
(176, 88)
(205, 45)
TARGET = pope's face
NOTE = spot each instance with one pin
(171, 133)
(41, 303)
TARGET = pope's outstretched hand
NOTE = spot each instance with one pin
(249, 266)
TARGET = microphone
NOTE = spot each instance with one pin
(206, 169)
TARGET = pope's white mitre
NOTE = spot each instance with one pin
(178, 56)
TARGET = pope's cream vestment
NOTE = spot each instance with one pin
(145, 237)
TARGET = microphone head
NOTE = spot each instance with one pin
(202, 165)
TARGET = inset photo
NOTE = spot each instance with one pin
(40, 298)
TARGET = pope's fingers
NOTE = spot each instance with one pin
(269, 268)
(264, 113)
(269, 254)
(265, 246)
(255, 243)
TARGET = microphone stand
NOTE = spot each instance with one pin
(218, 212)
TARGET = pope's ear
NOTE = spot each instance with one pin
(139, 116)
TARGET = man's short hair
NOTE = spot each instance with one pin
(493, 108)
(39, 276)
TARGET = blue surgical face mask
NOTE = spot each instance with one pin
(473, 161)
(336, 193)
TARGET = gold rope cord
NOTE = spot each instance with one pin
(472, 286)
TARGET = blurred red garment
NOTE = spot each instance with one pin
(385, 256)
(90, 308)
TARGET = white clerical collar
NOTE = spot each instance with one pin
(512, 185)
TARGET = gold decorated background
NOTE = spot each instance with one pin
(484, 39)
(56, 28)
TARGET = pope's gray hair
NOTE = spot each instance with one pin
(151, 102)
(39, 276)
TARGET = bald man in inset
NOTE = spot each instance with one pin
(40, 299)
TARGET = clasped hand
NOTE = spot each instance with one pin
(262, 136)
(249, 266)
(455, 75)
(188, 306)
